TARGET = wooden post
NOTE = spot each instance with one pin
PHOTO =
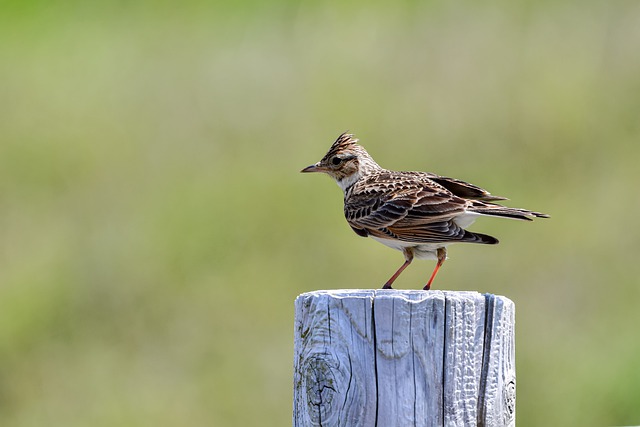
(403, 358)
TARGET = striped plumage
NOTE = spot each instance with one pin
(418, 213)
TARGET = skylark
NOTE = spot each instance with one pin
(417, 213)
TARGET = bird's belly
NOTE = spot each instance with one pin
(420, 250)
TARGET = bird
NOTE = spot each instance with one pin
(417, 213)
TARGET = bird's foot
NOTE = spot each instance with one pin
(387, 286)
(426, 287)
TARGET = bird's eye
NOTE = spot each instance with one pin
(336, 160)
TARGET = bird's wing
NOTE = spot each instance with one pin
(446, 231)
(406, 206)
(463, 189)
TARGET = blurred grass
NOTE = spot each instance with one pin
(155, 231)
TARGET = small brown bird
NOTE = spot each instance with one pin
(417, 213)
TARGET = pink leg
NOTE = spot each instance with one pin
(408, 256)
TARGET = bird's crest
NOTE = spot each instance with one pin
(344, 141)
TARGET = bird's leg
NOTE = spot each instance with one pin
(442, 255)
(408, 256)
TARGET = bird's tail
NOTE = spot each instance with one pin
(494, 209)
(473, 237)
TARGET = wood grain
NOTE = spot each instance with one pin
(403, 358)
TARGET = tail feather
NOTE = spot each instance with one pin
(473, 237)
(492, 209)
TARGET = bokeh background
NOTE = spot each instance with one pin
(155, 231)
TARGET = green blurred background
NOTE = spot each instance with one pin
(154, 228)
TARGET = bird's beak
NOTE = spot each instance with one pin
(314, 168)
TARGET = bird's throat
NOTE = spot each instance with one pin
(348, 181)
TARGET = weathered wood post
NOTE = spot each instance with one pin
(392, 358)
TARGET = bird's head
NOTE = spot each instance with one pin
(346, 161)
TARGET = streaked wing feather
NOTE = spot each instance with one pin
(440, 231)
(464, 189)
(406, 206)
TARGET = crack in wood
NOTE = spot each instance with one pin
(369, 358)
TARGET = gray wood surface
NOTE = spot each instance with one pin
(403, 358)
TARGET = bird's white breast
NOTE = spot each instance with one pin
(420, 250)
